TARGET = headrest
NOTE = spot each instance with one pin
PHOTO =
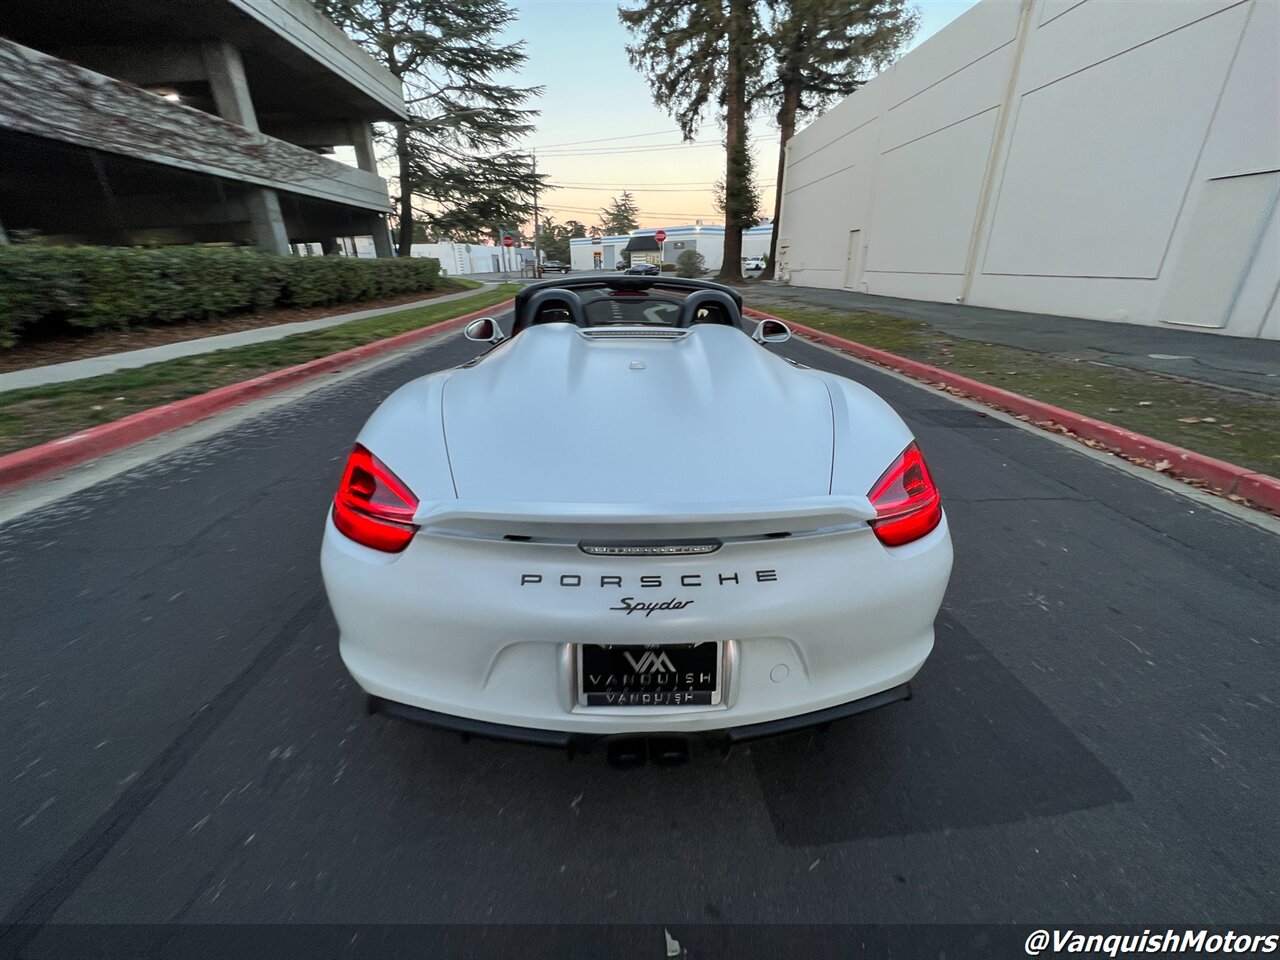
(551, 306)
(709, 306)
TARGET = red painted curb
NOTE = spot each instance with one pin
(1259, 488)
(24, 466)
(1262, 490)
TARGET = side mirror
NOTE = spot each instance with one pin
(484, 330)
(771, 331)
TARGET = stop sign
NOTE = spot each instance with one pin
(660, 235)
(507, 241)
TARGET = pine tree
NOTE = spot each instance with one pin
(690, 264)
(454, 155)
(619, 217)
(748, 201)
(819, 51)
(554, 238)
(700, 57)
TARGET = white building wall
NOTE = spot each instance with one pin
(755, 242)
(580, 253)
(1119, 161)
(463, 258)
(490, 258)
(453, 257)
(707, 240)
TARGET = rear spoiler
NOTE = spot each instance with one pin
(641, 521)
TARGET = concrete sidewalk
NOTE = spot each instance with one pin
(1231, 362)
(130, 359)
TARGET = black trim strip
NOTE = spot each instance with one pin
(771, 728)
(563, 739)
(465, 725)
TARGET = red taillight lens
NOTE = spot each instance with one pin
(373, 507)
(906, 500)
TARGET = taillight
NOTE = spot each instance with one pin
(373, 506)
(907, 503)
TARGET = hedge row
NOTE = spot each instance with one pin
(45, 290)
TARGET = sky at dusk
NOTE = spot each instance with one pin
(576, 51)
(599, 132)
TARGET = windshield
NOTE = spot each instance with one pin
(609, 307)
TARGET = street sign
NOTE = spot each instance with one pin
(507, 241)
(660, 235)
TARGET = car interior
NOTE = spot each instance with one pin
(669, 303)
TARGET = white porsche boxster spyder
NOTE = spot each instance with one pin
(631, 517)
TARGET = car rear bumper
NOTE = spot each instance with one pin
(454, 627)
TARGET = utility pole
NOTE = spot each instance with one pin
(537, 230)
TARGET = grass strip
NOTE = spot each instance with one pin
(33, 416)
(1233, 426)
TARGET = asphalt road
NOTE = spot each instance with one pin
(1094, 739)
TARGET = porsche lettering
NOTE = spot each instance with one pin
(652, 581)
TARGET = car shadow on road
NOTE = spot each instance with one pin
(974, 747)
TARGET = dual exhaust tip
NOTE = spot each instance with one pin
(628, 752)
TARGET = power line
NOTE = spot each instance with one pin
(706, 189)
(650, 213)
(630, 136)
(662, 183)
(612, 151)
(647, 213)
(665, 213)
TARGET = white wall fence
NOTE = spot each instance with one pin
(1093, 158)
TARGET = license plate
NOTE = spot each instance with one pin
(669, 675)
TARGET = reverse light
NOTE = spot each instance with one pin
(907, 502)
(373, 506)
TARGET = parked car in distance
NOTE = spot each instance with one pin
(555, 266)
(621, 265)
(642, 269)
(753, 263)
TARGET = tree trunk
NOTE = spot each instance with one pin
(735, 90)
(787, 129)
(406, 190)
